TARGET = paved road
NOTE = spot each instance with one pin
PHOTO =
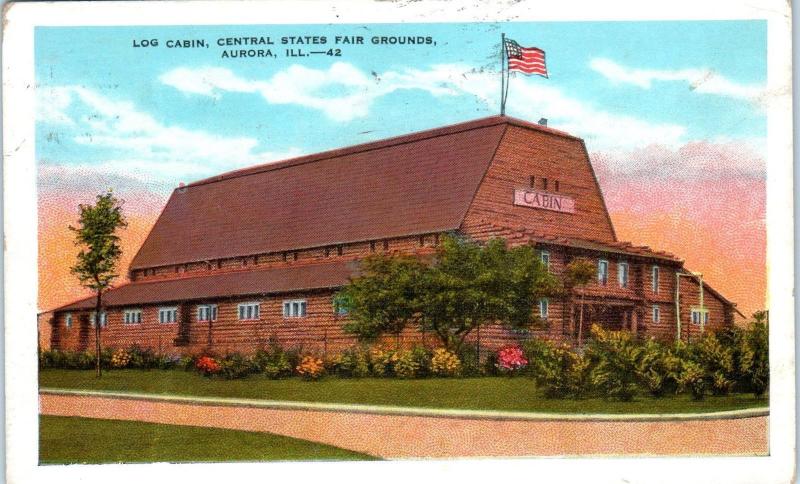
(404, 436)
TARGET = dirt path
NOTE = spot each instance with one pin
(403, 436)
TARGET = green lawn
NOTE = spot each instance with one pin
(72, 440)
(490, 393)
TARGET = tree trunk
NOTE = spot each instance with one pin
(97, 324)
(580, 324)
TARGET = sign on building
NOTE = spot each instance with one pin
(544, 200)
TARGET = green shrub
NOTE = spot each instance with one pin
(717, 361)
(273, 361)
(234, 366)
(614, 359)
(406, 365)
(556, 369)
(755, 357)
(658, 369)
(350, 363)
(470, 361)
(694, 379)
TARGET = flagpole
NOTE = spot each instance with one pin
(502, 74)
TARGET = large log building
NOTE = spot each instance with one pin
(258, 254)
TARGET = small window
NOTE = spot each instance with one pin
(533, 181)
(103, 319)
(544, 308)
(622, 274)
(68, 320)
(167, 315)
(248, 311)
(545, 255)
(132, 316)
(602, 272)
(339, 306)
(544, 183)
(656, 314)
(294, 309)
(656, 272)
(207, 312)
(557, 185)
(699, 315)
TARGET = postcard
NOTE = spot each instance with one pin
(296, 239)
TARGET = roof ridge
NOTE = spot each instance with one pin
(411, 137)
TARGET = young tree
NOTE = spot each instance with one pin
(470, 285)
(578, 274)
(383, 299)
(100, 251)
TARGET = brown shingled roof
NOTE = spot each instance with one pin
(244, 283)
(418, 183)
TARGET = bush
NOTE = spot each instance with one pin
(755, 357)
(234, 366)
(445, 363)
(120, 359)
(614, 358)
(310, 368)
(511, 360)
(273, 361)
(350, 363)
(717, 362)
(381, 361)
(693, 378)
(207, 365)
(470, 361)
(556, 369)
(659, 369)
(406, 364)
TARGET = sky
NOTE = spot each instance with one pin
(673, 114)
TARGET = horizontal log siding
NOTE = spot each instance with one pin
(524, 153)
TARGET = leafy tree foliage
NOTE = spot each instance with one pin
(384, 298)
(96, 264)
(465, 286)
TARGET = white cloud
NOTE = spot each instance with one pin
(343, 92)
(142, 147)
(704, 81)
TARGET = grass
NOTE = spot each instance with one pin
(72, 440)
(489, 393)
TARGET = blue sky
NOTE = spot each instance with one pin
(160, 115)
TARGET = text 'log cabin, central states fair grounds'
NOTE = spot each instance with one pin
(258, 254)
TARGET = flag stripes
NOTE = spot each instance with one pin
(528, 60)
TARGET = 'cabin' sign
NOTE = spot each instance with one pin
(546, 201)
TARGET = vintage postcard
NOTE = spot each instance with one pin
(479, 238)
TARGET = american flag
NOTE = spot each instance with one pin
(528, 60)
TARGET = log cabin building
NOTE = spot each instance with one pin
(258, 254)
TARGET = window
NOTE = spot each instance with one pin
(622, 274)
(294, 309)
(558, 185)
(372, 246)
(545, 255)
(533, 181)
(68, 320)
(132, 316)
(656, 314)
(207, 312)
(103, 319)
(699, 315)
(167, 315)
(602, 272)
(544, 308)
(656, 271)
(339, 306)
(544, 182)
(249, 311)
